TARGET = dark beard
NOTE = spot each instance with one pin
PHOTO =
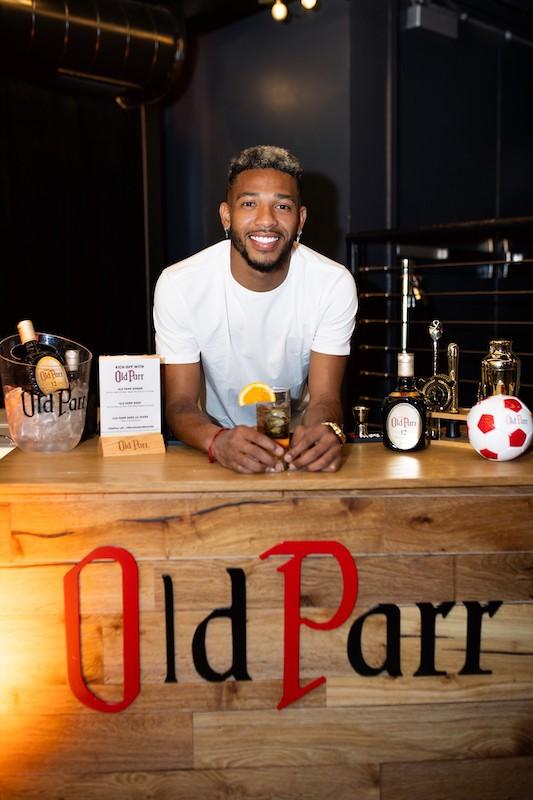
(259, 266)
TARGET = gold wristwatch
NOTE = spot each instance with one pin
(337, 430)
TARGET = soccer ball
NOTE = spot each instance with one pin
(500, 427)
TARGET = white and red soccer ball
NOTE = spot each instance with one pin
(500, 427)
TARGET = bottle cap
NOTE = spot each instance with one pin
(26, 331)
(406, 365)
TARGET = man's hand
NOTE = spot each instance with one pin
(244, 449)
(315, 449)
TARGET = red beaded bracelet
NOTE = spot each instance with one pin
(210, 455)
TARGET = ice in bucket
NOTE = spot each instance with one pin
(45, 421)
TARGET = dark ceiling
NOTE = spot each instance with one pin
(203, 15)
(514, 15)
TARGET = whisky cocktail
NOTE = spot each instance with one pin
(274, 418)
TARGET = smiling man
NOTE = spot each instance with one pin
(257, 307)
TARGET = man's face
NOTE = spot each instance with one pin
(264, 215)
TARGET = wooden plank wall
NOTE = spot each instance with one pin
(446, 737)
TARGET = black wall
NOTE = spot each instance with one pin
(71, 217)
(465, 126)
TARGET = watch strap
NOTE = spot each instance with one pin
(337, 430)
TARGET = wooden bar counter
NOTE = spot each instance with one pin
(428, 689)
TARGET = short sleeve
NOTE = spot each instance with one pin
(174, 337)
(337, 322)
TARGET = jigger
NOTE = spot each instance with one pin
(360, 415)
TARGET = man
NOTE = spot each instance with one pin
(259, 307)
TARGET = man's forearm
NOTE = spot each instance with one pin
(190, 424)
(324, 410)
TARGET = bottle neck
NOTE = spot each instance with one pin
(406, 383)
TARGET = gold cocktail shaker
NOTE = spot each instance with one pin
(500, 370)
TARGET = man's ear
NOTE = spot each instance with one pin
(303, 217)
(225, 216)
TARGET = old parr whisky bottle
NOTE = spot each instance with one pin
(404, 411)
(46, 372)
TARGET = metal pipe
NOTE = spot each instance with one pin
(405, 298)
(506, 33)
(390, 320)
(146, 228)
(131, 48)
(443, 264)
(482, 293)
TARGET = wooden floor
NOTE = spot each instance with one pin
(441, 526)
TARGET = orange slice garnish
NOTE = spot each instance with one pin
(256, 393)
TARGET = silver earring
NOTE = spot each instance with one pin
(226, 231)
(298, 237)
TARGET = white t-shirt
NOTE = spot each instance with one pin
(201, 313)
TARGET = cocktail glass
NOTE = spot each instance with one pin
(274, 418)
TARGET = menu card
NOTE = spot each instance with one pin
(130, 395)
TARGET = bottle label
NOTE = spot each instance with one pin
(404, 426)
(50, 375)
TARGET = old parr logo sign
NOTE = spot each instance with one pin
(291, 570)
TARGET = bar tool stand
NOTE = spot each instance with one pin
(438, 390)
(453, 417)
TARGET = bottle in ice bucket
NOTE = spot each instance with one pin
(405, 411)
(45, 390)
(72, 364)
(49, 374)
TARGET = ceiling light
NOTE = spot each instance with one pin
(279, 11)
(308, 4)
